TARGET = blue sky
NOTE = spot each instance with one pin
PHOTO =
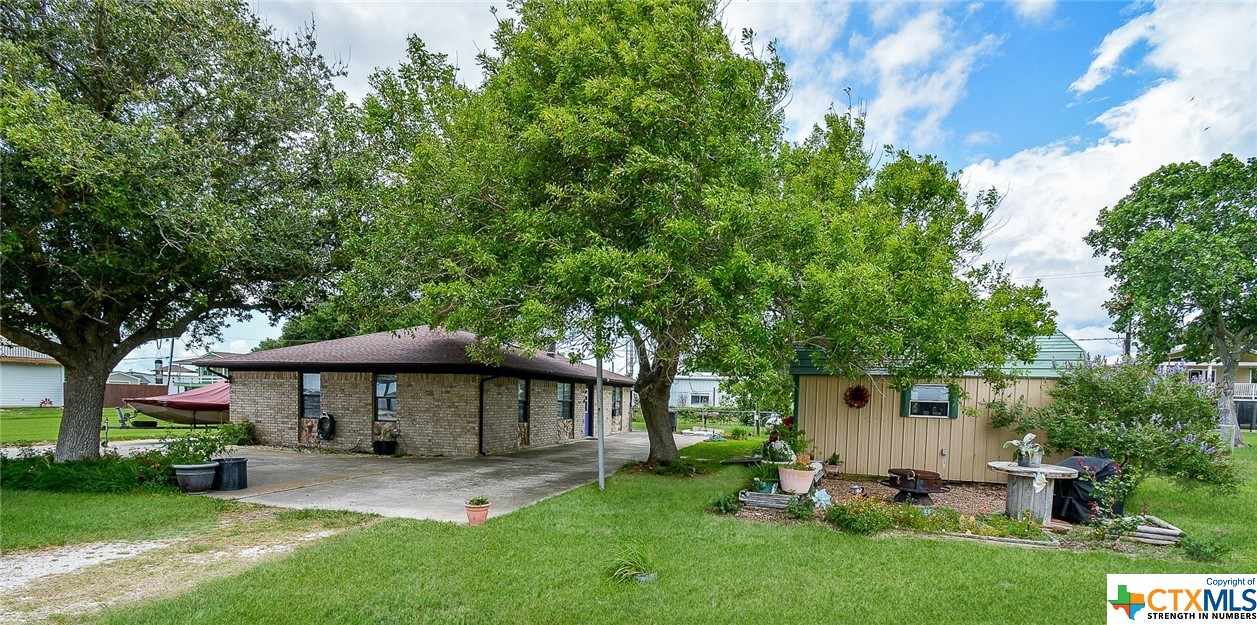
(1061, 106)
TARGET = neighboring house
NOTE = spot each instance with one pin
(925, 427)
(1245, 382)
(696, 390)
(183, 377)
(29, 378)
(204, 375)
(420, 386)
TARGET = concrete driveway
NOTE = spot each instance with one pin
(429, 488)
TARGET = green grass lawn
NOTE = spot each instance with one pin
(40, 425)
(38, 519)
(549, 563)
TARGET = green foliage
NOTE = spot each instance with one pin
(242, 433)
(633, 560)
(726, 504)
(739, 433)
(478, 501)
(195, 449)
(1150, 422)
(163, 172)
(1021, 527)
(324, 321)
(800, 507)
(1205, 549)
(1182, 251)
(764, 471)
(679, 468)
(860, 515)
(112, 473)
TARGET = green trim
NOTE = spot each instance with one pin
(796, 399)
(905, 399)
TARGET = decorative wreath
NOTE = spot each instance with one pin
(856, 396)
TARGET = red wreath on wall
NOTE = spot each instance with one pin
(856, 396)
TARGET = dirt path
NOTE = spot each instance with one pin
(36, 586)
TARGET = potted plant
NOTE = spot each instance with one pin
(796, 478)
(386, 445)
(192, 459)
(763, 477)
(477, 510)
(1029, 453)
(834, 464)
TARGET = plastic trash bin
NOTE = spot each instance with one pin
(232, 474)
(673, 414)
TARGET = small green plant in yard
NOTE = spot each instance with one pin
(1205, 549)
(738, 433)
(726, 504)
(195, 449)
(860, 515)
(1021, 527)
(801, 507)
(629, 563)
(478, 501)
(764, 471)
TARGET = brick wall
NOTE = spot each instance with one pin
(438, 414)
(543, 406)
(269, 400)
(501, 415)
(350, 397)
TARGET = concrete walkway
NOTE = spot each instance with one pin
(430, 488)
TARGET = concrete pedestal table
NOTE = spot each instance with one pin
(1021, 495)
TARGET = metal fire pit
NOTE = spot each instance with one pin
(915, 485)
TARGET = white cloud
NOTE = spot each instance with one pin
(1207, 105)
(1036, 11)
(921, 72)
(982, 137)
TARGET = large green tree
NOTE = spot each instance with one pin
(162, 168)
(621, 173)
(1182, 250)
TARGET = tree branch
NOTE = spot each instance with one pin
(36, 342)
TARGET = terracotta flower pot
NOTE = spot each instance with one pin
(476, 515)
(794, 481)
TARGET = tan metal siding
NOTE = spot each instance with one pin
(875, 438)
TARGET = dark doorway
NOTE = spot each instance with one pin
(589, 410)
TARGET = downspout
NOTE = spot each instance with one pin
(480, 435)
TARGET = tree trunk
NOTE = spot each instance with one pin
(654, 398)
(79, 436)
(1226, 400)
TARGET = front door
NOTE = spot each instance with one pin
(589, 410)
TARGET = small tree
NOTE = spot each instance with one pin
(1150, 422)
(1182, 251)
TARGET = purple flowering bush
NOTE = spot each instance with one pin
(1151, 421)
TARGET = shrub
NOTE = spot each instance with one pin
(238, 433)
(739, 433)
(860, 515)
(192, 449)
(1151, 422)
(726, 504)
(111, 474)
(801, 507)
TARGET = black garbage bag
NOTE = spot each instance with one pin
(1073, 500)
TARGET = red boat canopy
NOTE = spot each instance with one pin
(208, 404)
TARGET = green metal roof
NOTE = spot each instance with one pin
(1053, 350)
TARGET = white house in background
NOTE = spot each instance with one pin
(183, 377)
(1245, 382)
(28, 378)
(697, 389)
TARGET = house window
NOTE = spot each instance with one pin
(567, 403)
(386, 397)
(311, 396)
(617, 402)
(523, 401)
(929, 400)
(699, 399)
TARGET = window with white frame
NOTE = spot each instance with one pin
(386, 397)
(617, 401)
(700, 399)
(311, 396)
(567, 401)
(930, 400)
(523, 401)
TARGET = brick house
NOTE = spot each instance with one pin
(419, 386)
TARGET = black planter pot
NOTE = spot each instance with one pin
(195, 478)
(384, 448)
(232, 474)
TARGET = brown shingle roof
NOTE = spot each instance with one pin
(413, 350)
